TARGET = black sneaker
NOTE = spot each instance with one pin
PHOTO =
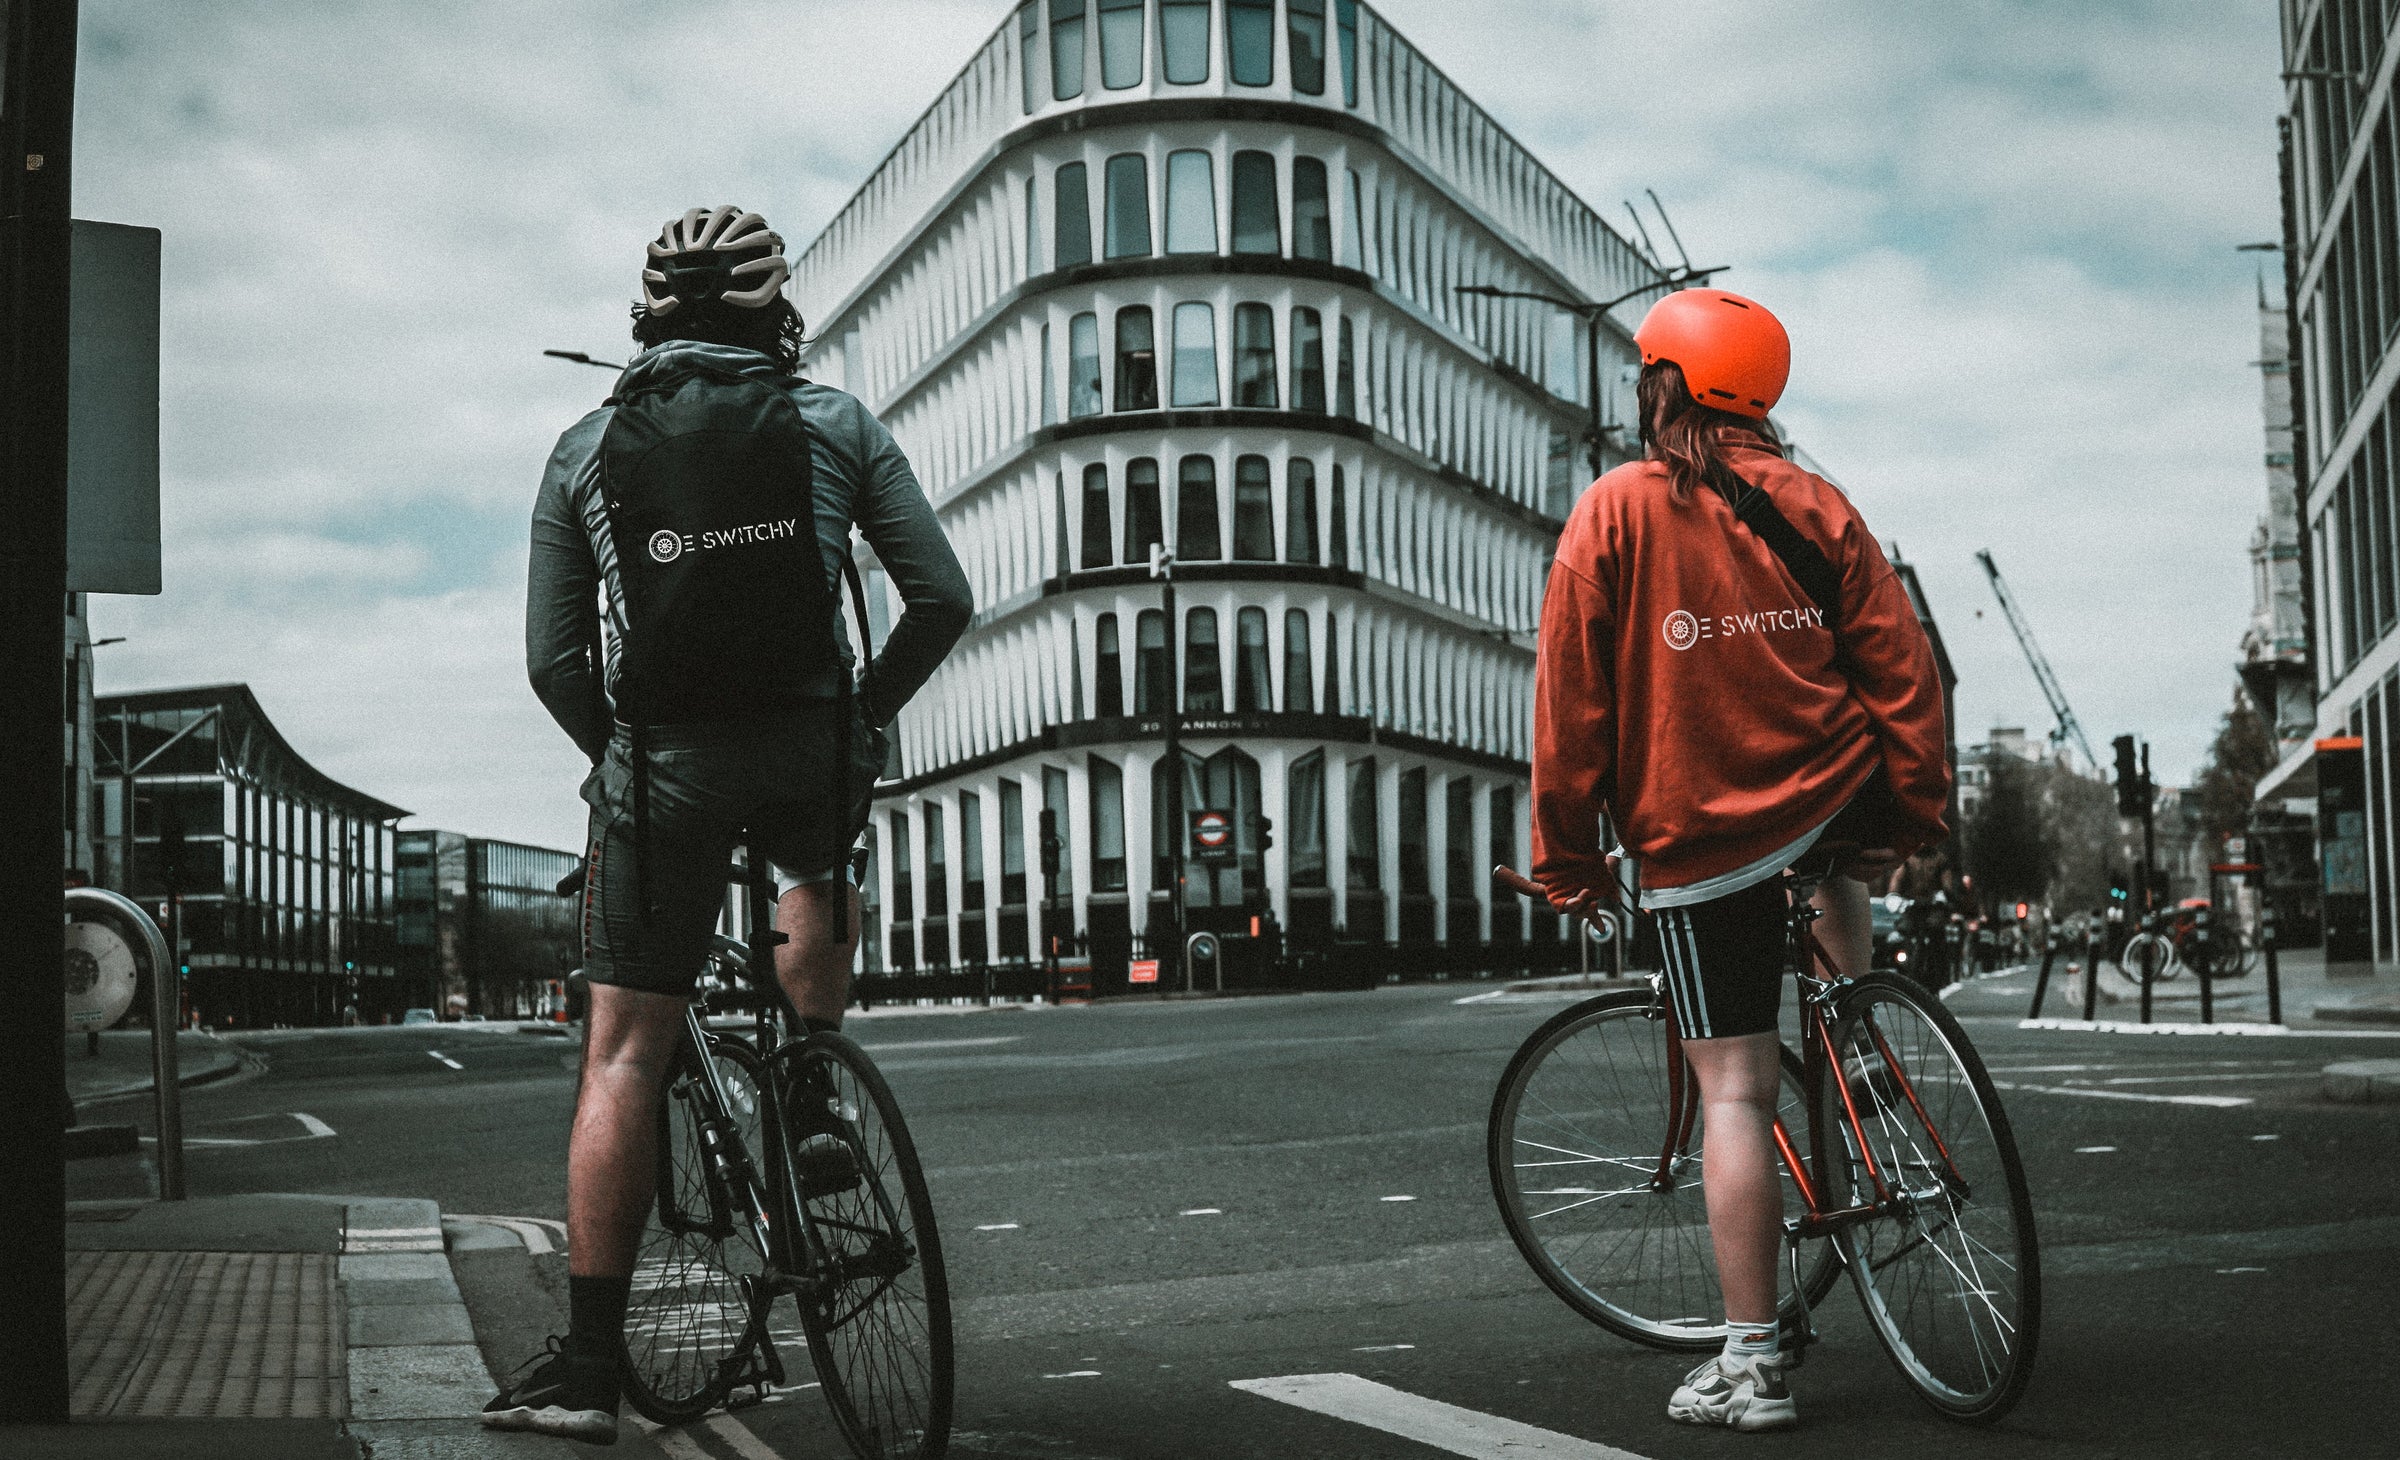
(820, 1143)
(570, 1395)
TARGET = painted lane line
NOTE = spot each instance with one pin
(1381, 1348)
(2111, 1026)
(733, 1432)
(942, 1043)
(1479, 998)
(2220, 1102)
(997, 1227)
(2241, 1269)
(2092, 1150)
(1445, 1427)
(1203, 1212)
(677, 1444)
(1396, 1198)
(1075, 1374)
(445, 1059)
(2269, 1136)
(317, 1129)
(529, 1230)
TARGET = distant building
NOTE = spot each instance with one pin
(1941, 663)
(286, 873)
(481, 927)
(1975, 764)
(2274, 663)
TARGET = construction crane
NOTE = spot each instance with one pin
(2068, 726)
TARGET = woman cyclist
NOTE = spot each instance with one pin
(1724, 718)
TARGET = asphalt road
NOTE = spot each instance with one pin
(1145, 1205)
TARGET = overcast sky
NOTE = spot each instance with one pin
(2002, 233)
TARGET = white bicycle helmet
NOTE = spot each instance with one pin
(720, 253)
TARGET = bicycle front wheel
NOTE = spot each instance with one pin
(2148, 956)
(1950, 1276)
(698, 1303)
(1597, 1170)
(877, 1312)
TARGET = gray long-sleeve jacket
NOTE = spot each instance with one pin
(861, 477)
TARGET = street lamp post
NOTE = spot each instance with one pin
(1591, 314)
(1162, 567)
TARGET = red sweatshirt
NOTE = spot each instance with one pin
(1687, 685)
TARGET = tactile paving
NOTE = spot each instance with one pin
(205, 1335)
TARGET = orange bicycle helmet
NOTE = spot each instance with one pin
(1734, 353)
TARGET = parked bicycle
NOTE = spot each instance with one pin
(1910, 1181)
(740, 1221)
(2187, 939)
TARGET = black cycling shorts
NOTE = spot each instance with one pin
(710, 786)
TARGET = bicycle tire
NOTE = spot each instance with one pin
(2150, 951)
(881, 1343)
(1664, 1295)
(698, 1305)
(1951, 1284)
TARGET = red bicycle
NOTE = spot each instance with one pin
(1911, 1180)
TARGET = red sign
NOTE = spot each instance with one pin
(1212, 837)
(1142, 970)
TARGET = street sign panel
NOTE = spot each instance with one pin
(1142, 970)
(1212, 837)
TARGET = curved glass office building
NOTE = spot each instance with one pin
(1182, 277)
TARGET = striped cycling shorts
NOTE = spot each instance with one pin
(1725, 961)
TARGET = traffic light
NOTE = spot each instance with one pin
(2117, 890)
(1266, 832)
(1052, 845)
(2133, 788)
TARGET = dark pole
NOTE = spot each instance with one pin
(1172, 757)
(2149, 819)
(37, 112)
(1591, 349)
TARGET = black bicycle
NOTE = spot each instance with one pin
(742, 1218)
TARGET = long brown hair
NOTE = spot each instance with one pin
(1688, 438)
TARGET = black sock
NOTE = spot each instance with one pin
(596, 1313)
(819, 1026)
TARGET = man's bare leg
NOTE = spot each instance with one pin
(612, 1157)
(820, 922)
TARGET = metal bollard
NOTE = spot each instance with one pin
(2274, 975)
(2202, 936)
(2091, 973)
(2041, 982)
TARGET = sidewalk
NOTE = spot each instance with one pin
(2311, 998)
(123, 1065)
(271, 1327)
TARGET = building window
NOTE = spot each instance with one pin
(1120, 43)
(1142, 521)
(1257, 223)
(1058, 502)
(1337, 529)
(1153, 663)
(1458, 851)
(1304, 820)
(1171, 806)
(1300, 511)
(1345, 17)
(1083, 366)
(1109, 667)
(1191, 203)
(1137, 360)
(1354, 243)
(1054, 801)
(1254, 356)
(1196, 538)
(1183, 40)
(1366, 829)
(1107, 790)
(1095, 512)
(1029, 55)
(1312, 212)
(1012, 840)
(1250, 41)
(970, 850)
(1253, 686)
(1333, 667)
(1128, 224)
(1049, 382)
(904, 901)
(1308, 361)
(1345, 384)
(1066, 48)
(1416, 875)
(1253, 510)
(1033, 231)
(1306, 23)
(1299, 683)
(1195, 355)
(1071, 215)
(1503, 818)
(1203, 673)
(937, 864)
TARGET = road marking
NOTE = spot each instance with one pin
(532, 1231)
(392, 1239)
(942, 1043)
(1445, 1427)
(1203, 1212)
(1381, 1348)
(316, 1128)
(2241, 1269)
(733, 1432)
(997, 1227)
(2092, 1150)
(1397, 1198)
(445, 1059)
(2269, 1136)
(2111, 1026)
(1075, 1374)
(677, 1444)
(2222, 1102)
(312, 1129)
(1479, 998)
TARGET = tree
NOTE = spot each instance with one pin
(2012, 847)
(2242, 755)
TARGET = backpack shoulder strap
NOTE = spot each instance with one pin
(1802, 558)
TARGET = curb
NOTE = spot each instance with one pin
(409, 1344)
(234, 1064)
(2363, 1082)
(2357, 1013)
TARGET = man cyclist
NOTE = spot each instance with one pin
(703, 515)
(1729, 667)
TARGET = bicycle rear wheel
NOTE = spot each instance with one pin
(1951, 1280)
(2149, 956)
(1579, 1129)
(698, 1303)
(878, 1315)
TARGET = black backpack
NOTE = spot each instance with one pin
(710, 490)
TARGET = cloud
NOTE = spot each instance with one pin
(2001, 234)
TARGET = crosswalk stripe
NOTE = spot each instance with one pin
(733, 1432)
(1427, 1421)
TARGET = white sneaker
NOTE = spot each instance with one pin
(1743, 1394)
